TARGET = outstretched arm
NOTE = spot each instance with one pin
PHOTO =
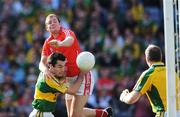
(65, 43)
(74, 88)
(130, 97)
(62, 87)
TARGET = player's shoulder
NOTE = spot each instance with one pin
(147, 72)
(48, 38)
(67, 30)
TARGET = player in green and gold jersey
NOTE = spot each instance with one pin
(152, 82)
(47, 90)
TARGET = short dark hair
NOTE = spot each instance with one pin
(54, 57)
(153, 53)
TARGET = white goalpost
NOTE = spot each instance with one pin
(170, 56)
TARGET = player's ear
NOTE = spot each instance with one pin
(49, 66)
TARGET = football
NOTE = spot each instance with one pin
(85, 61)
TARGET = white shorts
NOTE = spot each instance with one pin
(36, 113)
(86, 87)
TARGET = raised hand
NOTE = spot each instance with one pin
(54, 43)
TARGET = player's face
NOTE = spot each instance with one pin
(52, 24)
(59, 69)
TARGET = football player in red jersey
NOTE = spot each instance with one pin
(64, 41)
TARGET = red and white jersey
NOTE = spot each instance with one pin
(70, 52)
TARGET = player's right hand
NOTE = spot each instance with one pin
(54, 43)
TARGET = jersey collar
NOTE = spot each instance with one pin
(157, 64)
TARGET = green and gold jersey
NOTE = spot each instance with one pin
(46, 93)
(153, 83)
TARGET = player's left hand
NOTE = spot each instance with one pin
(54, 43)
(123, 95)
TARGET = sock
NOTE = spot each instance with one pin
(100, 113)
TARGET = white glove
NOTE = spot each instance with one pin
(124, 94)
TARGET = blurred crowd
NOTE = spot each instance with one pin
(115, 31)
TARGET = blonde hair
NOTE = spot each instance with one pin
(51, 15)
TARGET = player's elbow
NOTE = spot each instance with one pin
(70, 40)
